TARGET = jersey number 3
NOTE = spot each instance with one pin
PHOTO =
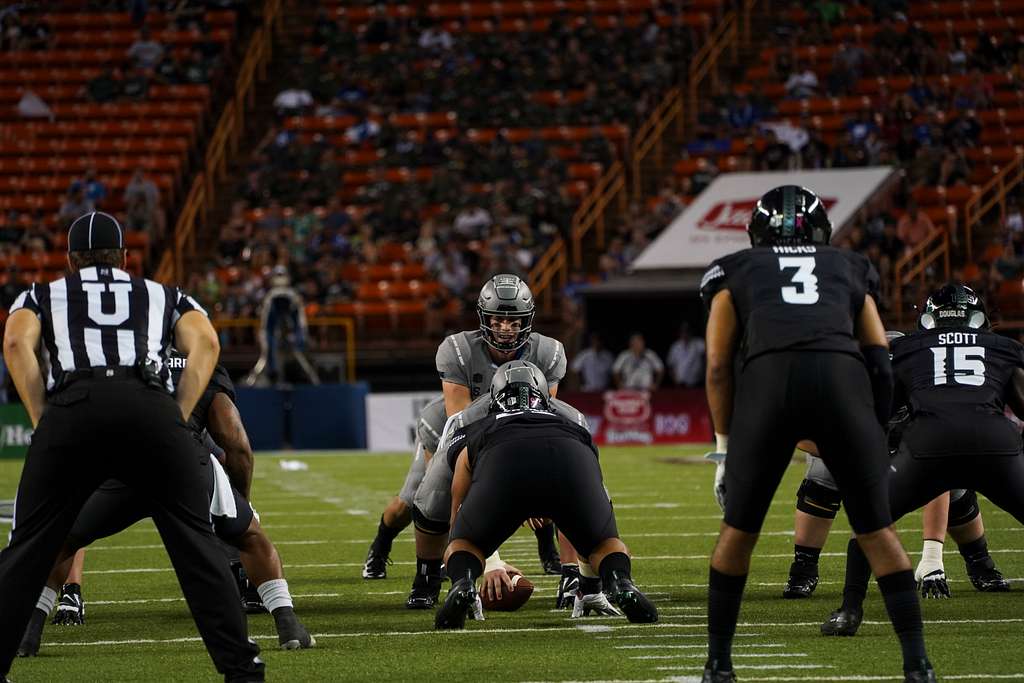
(968, 364)
(807, 291)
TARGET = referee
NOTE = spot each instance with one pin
(102, 407)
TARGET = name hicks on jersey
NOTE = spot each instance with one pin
(796, 249)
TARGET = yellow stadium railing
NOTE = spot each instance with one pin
(324, 323)
(549, 270)
(919, 263)
(992, 194)
(590, 214)
(650, 135)
(724, 36)
(222, 143)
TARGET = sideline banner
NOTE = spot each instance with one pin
(627, 417)
(391, 419)
(715, 224)
(15, 431)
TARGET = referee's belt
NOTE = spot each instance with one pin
(115, 372)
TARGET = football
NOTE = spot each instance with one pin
(510, 601)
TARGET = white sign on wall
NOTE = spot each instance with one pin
(391, 419)
(715, 223)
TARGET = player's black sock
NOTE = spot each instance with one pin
(976, 552)
(385, 537)
(858, 573)
(613, 563)
(425, 569)
(546, 540)
(806, 556)
(899, 590)
(725, 593)
(462, 562)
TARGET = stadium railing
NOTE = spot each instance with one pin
(549, 267)
(590, 214)
(325, 325)
(992, 194)
(705, 63)
(917, 263)
(651, 133)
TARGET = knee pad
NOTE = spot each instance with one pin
(818, 501)
(427, 525)
(963, 509)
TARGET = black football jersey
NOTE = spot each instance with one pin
(793, 297)
(954, 381)
(220, 383)
(531, 426)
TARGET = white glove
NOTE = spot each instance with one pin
(583, 605)
(718, 457)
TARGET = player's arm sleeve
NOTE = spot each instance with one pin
(454, 445)
(712, 283)
(554, 365)
(183, 303)
(452, 362)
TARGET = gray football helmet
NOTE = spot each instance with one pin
(517, 386)
(502, 297)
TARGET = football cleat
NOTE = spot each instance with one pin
(712, 674)
(291, 634)
(567, 586)
(376, 565)
(987, 579)
(933, 585)
(551, 564)
(843, 622)
(627, 597)
(594, 603)
(477, 611)
(70, 606)
(424, 593)
(801, 582)
(33, 636)
(923, 673)
(252, 603)
(457, 605)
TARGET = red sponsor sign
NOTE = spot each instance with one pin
(639, 417)
(734, 214)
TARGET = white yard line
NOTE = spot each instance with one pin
(736, 655)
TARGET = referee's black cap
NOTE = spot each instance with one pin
(95, 230)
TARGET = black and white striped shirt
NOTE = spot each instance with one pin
(105, 317)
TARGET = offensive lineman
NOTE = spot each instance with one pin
(509, 466)
(797, 320)
(114, 507)
(466, 363)
(956, 376)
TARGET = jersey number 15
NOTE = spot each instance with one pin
(968, 364)
(806, 289)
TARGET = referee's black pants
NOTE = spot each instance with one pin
(97, 429)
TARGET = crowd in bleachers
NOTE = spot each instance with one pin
(100, 105)
(461, 143)
(933, 88)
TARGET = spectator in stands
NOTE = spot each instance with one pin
(472, 220)
(146, 52)
(1013, 222)
(638, 367)
(776, 154)
(743, 114)
(613, 262)
(686, 359)
(293, 101)
(106, 87)
(75, 204)
(32, 106)
(915, 225)
(135, 85)
(142, 206)
(454, 275)
(435, 38)
(195, 68)
(95, 189)
(593, 366)
(803, 82)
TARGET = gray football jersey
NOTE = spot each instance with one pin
(431, 423)
(464, 359)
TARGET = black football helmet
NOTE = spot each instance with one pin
(519, 385)
(954, 305)
(505, 296)
(789, 215)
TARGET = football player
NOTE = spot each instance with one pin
(510, 466)
(466, 362)
(583, 594)
(114, 507)
(956, 376)
(792, 322)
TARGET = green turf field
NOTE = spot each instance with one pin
(138, 629)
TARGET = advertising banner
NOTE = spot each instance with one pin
(391, 419)
(15, 431)
(627, 417)
(715, 223)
